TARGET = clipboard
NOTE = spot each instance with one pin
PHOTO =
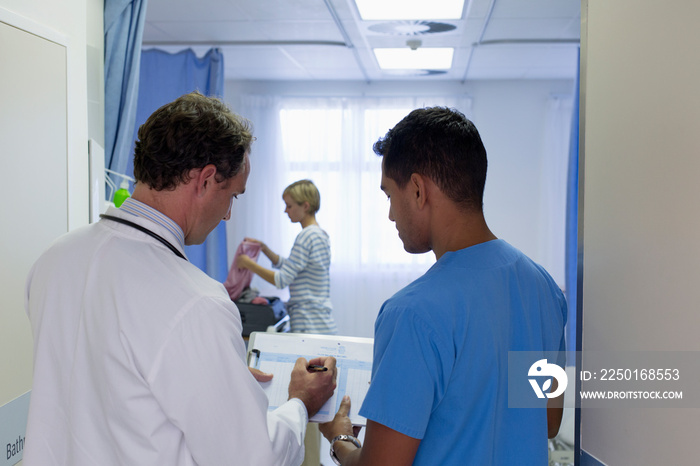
(277, 353)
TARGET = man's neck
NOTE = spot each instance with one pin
(167, 202)
(459, 230)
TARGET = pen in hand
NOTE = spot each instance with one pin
(316, 368)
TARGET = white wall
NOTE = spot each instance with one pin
(70, 19)
(39, 70)
(640, 114)
(79, 22)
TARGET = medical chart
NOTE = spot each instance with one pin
(277, 353)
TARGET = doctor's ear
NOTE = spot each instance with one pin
(204, 177)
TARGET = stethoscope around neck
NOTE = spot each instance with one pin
(144, 230)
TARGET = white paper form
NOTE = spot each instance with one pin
(277, 353)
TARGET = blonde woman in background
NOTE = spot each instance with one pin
(306, 270)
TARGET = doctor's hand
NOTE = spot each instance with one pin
(313, 388)
(341, 423)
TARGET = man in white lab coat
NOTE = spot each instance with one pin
(138, 355)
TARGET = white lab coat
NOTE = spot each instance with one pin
(139, 360)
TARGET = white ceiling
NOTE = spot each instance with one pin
(327, 40)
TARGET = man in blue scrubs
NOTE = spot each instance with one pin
(439, 390)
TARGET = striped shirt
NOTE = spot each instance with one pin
(139, 209)
(306, 272)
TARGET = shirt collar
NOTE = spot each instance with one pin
(139, 209)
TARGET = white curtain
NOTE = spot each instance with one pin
(329, 140)
(555, 164)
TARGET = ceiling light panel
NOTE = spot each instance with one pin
(410, 27)
(426, 58)
(374, 10)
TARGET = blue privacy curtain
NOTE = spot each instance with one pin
(572, 223)
(123, 25)
(165, 77)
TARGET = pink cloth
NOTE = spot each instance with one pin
(239, 279)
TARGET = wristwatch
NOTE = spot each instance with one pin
(343, 438)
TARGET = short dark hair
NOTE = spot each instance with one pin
(191, 132)
(441, 144)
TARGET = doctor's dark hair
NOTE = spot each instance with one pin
(191, 132)
(441, 144)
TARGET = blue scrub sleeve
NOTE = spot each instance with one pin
(408, 376)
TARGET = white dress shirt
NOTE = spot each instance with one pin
(139, 360)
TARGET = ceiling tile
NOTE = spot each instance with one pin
(533, 9)
(202, 10)
(201, 31)
(270, 10)
(304, 30)
(540, 28)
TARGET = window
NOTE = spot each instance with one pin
(332, 146)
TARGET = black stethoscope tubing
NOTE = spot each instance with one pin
(145, 230)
